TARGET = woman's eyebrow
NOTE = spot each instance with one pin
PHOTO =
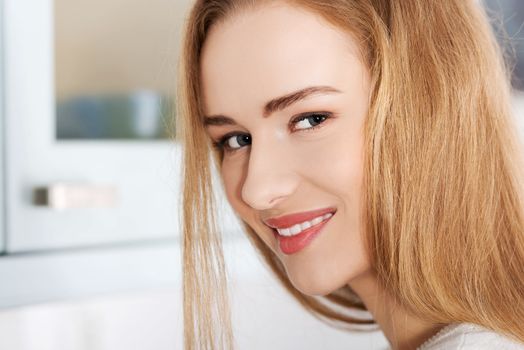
(276, 104)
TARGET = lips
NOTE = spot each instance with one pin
(293, 244)
(296, 242)
(293, 219)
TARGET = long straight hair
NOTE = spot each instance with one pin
(443, 171)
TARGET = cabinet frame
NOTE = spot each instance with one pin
(2, 137)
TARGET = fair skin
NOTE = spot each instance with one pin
(278, 164)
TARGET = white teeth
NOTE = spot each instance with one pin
(297, 228)
(305, 225)
(317, 220)
(284, 232)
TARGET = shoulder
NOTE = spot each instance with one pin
(468, 336)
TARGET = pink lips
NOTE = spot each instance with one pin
(292, 219)
(293, 244)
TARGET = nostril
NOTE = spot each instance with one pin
(276, 200)
(264, 195)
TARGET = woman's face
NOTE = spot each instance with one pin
(286, 95)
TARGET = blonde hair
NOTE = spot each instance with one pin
(443, 171)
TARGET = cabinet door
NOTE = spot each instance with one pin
(74, 177)
(2, 165)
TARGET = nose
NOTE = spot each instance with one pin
(270, 176)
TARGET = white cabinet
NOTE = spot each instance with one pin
(90, 201)
(2, 133)
(109, 190)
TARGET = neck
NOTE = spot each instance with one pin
(402, 329)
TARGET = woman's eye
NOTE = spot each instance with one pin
(235, 141)
(232, 142)
(310, 121)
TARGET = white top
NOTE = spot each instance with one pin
(468, 336)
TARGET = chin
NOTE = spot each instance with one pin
(321, 279)
(321, 286)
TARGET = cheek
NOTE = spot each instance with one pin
(231, 182)
(233, 175)
(337, 164)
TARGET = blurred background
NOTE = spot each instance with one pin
(90, 182)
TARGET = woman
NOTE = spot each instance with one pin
(368, 148)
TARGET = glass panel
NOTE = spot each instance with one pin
(510, 13)
(114, 68)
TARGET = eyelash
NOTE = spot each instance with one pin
(220, 145)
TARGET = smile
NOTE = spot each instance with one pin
(296, 231)
(298, 228)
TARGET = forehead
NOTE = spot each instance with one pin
(270, 51)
